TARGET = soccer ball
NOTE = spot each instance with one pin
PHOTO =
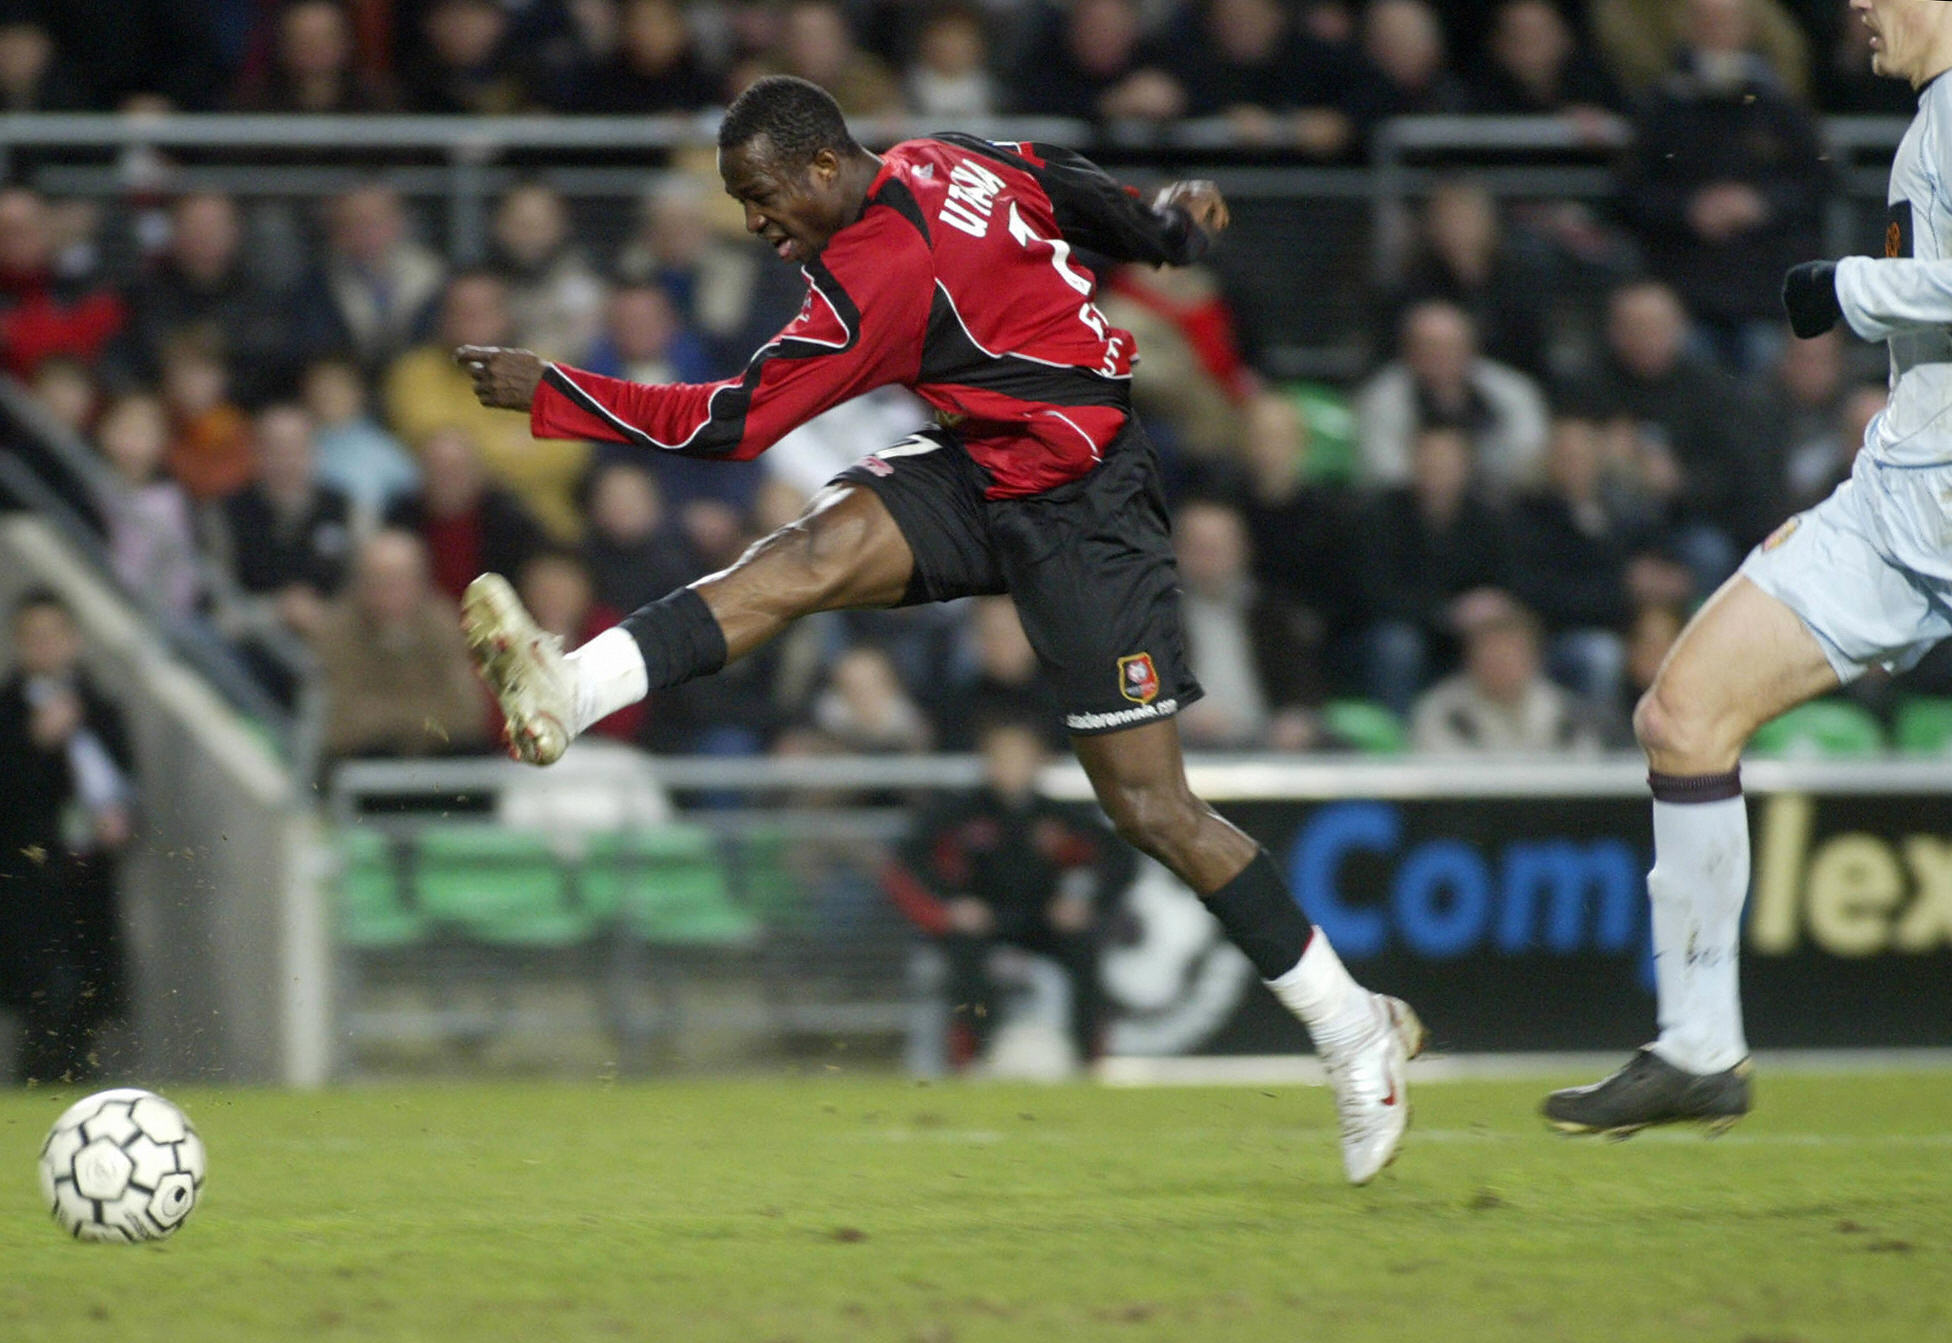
(122, 1165)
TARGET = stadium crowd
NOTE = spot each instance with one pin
(1493, 534)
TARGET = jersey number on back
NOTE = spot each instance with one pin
(1061, 261)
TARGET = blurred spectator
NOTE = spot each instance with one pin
(33, 77)
(469, 526)
(285, 540)
(1408, 70)
(1638, 38)
(1797, 401)
(1464, 258)
(644, 339)
(866, 709)
(1682, 431)
(950, 75)
(1006, 681)
(816, 44)
(394, 668)
(66, 803)
(728, 288)
(1725, 183)
(633, 554)
(210, 436)
(426, 391)
(1275, 83)
(203, 284)
(1536, 65)
(555, 298)
(313, 66)
(372, 294)
(1501, 701)
(655, 66)
(1257, 654)
(1571, 545)
(128, 49)
(1649, 637)
(1300, 534)
(355, 455)
(560, 595)
(1421, 546)
(1440, 380)
(467, 67)
(66, 389)
(1096, 63)
(42, 311)
(150, 539)
(1818, 465)
(1005, 864)
(1194, 377)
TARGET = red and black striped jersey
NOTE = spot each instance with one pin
(957, 281)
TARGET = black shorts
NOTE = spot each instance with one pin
(1089, 563)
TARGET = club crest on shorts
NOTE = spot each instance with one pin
(1783, 533)
(1138, 681)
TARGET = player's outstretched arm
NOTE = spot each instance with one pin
(1882, 296)
(503, 379)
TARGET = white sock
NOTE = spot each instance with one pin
(609, 674)
(1337, 1010)
(1699, 881)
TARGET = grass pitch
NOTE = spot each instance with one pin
(834, 1208)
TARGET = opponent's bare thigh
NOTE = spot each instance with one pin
(1742, 660)
(843, 552)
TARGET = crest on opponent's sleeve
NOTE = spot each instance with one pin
(1897, 229)
(1137, 680)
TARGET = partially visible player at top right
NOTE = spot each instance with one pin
(1863, 579)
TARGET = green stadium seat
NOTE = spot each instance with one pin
(1369, 727)
(1831, 729)
(1923, 727)
(499, 885)
(667, 886)
(1331, 452)
(373, 914)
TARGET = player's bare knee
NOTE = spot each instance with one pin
(1679, 734)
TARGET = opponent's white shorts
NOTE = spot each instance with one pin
(1868, 570)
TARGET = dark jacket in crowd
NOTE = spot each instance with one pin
(1706, 420)
(1569, 564)
(1411, 570)
(269, 551)
(1689, 135)
(58, 928)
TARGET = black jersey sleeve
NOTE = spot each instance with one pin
(1096, 211)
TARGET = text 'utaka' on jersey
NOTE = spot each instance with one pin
(957, 281)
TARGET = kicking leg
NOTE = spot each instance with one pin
(1743, 659)
(1364, 1038)
(845, 551)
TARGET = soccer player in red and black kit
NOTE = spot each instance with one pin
(944, 265)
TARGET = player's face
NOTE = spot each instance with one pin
(1909, 39)
(796, 209)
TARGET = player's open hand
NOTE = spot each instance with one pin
(1201, 200)
(503, 379)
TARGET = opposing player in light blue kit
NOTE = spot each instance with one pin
(1863, 579)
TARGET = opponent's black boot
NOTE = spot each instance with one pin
(1649, 1091)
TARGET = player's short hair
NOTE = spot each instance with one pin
(796, 117)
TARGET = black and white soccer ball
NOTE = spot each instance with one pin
(122, 1165)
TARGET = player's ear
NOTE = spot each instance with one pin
(825, 166)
